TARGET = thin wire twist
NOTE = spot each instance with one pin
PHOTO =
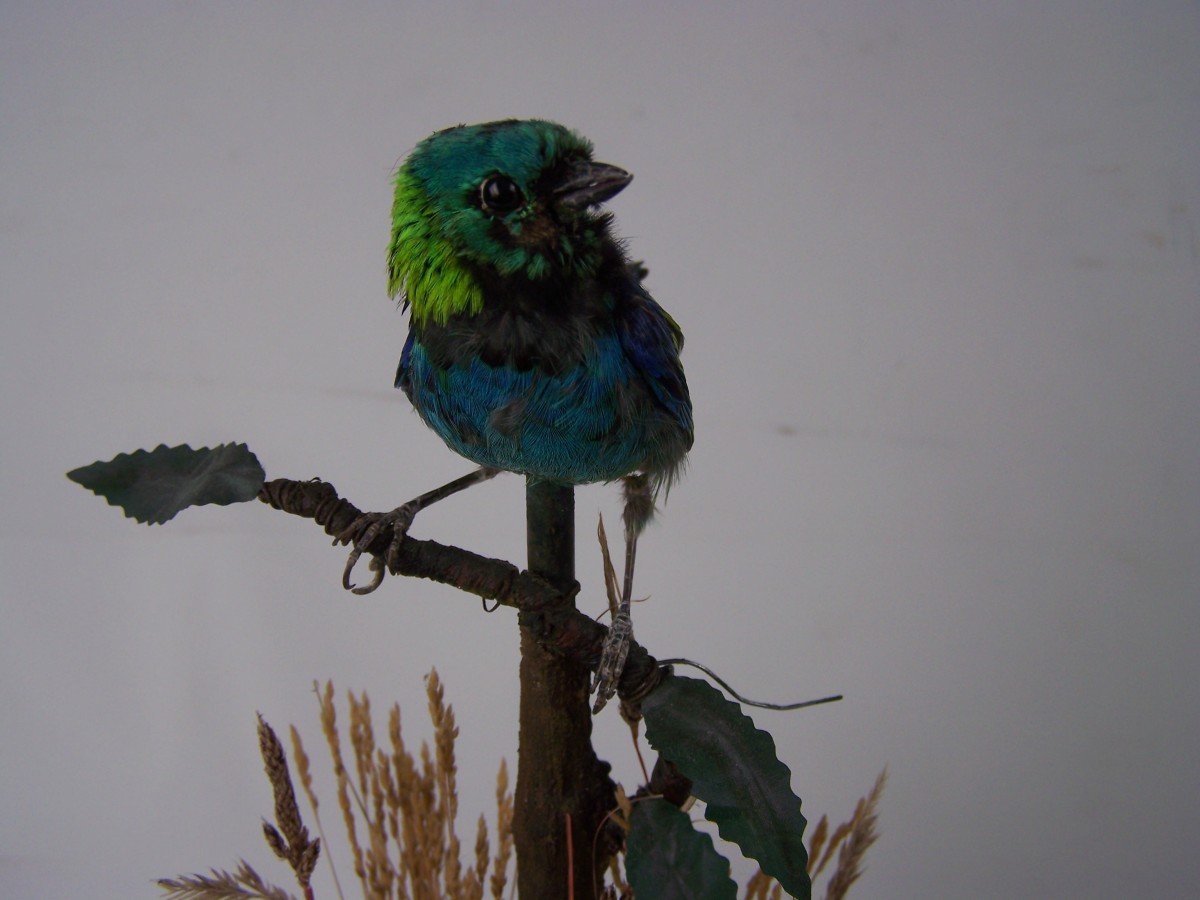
(760, 704)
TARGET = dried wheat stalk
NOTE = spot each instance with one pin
(504, 832)
(222, 885)
(400, 808)
(862, 835)
(287, 837)
(290, 839)
(304, 769)
(329, 727)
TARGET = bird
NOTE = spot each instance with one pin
(533, 345)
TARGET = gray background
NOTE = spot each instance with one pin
(938, 268)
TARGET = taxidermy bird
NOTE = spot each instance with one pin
(532, 346)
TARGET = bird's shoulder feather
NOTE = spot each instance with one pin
(652, 340)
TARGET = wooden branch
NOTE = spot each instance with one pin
(547, 612)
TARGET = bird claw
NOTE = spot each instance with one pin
(375, 565)
(612, 660)
(363, 531)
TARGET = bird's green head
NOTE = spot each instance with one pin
(510, 199)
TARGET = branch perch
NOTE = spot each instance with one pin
(547, 611)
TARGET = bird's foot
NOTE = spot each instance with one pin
(612, 659)
(363, 531)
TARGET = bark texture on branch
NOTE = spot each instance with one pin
(547, 611)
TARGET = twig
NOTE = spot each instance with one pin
(547, 611)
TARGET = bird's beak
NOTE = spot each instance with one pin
(589, 184)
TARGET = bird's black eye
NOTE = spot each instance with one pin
(499, 195)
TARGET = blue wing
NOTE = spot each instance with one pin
(403, 375)
(652, 341)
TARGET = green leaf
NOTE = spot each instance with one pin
(667, 858)
(153, 485)
(735, 771)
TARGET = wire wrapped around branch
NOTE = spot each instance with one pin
(547, 611)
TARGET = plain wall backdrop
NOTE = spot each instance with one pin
(939, 270)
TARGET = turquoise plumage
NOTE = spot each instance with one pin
(533, 346)
(564, 368)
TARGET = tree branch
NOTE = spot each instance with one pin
(546, 611)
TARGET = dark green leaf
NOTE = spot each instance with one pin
(735, 771)
(667, 858)
(153, 485)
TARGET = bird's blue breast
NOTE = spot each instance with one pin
(596, 421)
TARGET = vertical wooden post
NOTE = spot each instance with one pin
(557, 770)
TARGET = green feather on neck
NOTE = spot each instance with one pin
(422, 263)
